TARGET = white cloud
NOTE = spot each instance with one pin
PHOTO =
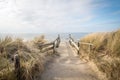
(52, 13)
(45, 15)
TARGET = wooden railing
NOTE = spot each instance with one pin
(44, 47)
(49, 46)
(76, 45)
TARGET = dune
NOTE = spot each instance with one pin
(105, 53)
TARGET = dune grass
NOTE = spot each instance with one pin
(32, 61)
(105, 52)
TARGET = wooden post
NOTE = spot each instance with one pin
(57, 44)
(70, 42)
(90, 47)
(71, 37)
(58, 40)
(17, 66)
(79, 48)
(54, 46)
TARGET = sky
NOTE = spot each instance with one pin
(53, 16)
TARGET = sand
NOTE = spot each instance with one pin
(67, 66)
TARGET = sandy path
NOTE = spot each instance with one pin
(67, 66)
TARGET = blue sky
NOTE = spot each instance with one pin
(42, 16)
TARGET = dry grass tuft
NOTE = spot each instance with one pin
(39, 39)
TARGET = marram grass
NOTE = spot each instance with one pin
(105, 52)
(30, 58)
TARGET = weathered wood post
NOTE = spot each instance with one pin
(70, 39)
(54, 46)
(90, 46)
(79, 48)
(2, 49)
(58, 41)
(17, 66)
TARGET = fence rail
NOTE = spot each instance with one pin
(76, 45)
(49, 46)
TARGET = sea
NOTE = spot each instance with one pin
(48, 36)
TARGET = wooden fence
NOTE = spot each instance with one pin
(49, 46)
(76, 45)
